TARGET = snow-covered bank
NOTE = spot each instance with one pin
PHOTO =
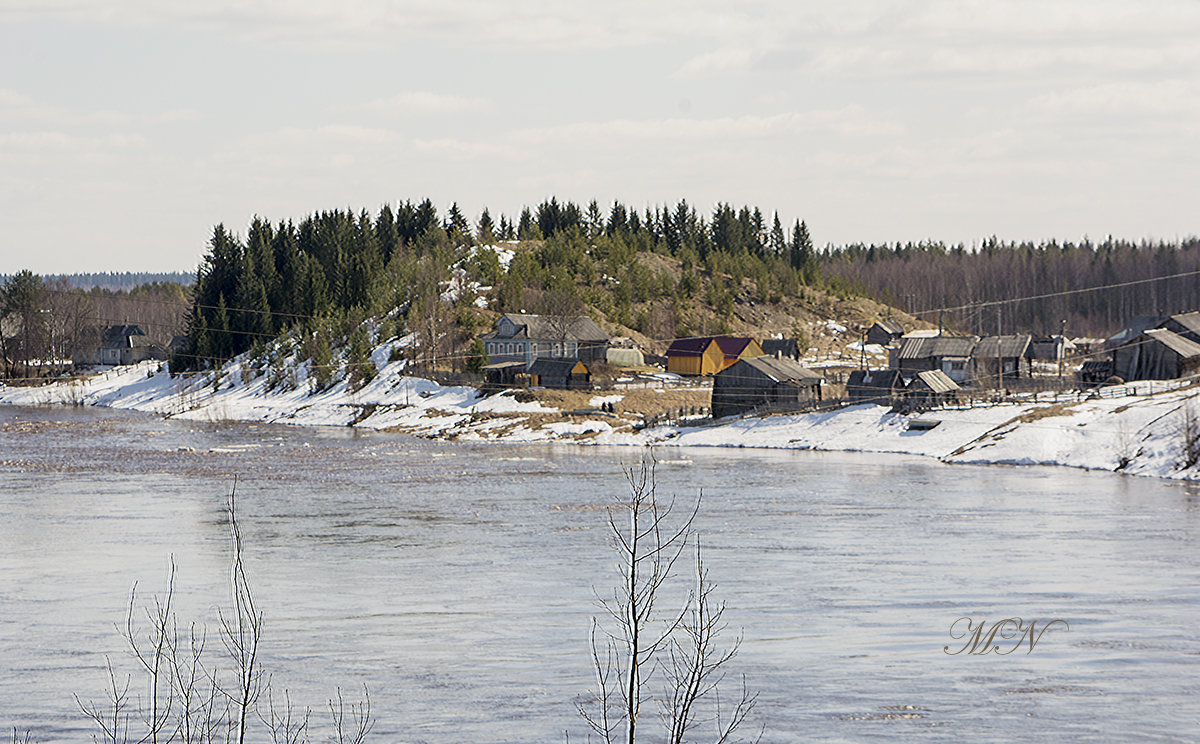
(1141, 434)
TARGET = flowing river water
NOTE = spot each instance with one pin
(458, 582)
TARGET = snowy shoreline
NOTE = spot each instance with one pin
(1144, 429)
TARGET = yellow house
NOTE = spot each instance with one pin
(708, 355)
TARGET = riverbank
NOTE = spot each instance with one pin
(1141, 430)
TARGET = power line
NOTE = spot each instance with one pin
(1064, 293)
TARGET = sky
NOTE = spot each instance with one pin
(130, 128)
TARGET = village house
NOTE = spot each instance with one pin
(526, 338)
(950, 354)
(764, 383)
(1156, 354)
(121, 344)
(707, 355)
(884, 332)
(879, 386)
(997, 360)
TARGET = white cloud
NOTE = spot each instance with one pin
(848, 121)
(1127, 99)
(427, 102)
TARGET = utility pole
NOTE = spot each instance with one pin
(1061, 346)
(999, 358)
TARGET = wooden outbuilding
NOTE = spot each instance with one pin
(782, 347)
(695, 356)
(502, 375)
(1000, 359)
(560, 373)
(884, 332)
(930, 388)
(1095, 372)
(1157, 354)
(764, 383)
(879, 386)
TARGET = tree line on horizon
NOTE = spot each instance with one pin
(924, 277)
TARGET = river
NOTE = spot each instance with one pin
(458, 582)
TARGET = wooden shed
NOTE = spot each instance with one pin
(930, 388)
(695, 356)
(884, 332)
(1000, 359)
(502, 375)
(560, 373)
(782, 347)
(1157, 354)
(880, 386)
(765, 383)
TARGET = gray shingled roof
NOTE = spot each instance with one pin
(553, 366)
(936, 346)
(121, 337)
(1189, 321)
(782, 370)
(1010, 346)
(936, 380)
(542, 327)
(890, 326)
(1173, 341)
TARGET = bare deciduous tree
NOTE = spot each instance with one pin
(241, 632)
(649, 536)
(193, 701)
(351, 723)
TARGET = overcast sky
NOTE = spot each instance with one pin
(129, 128)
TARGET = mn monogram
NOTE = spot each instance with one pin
(979, 639)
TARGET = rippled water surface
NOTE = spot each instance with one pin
(457, 581)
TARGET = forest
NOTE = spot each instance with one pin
(1091, 289)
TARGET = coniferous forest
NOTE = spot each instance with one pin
(335, 269)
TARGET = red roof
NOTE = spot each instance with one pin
(731, 346)
(689, 346)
